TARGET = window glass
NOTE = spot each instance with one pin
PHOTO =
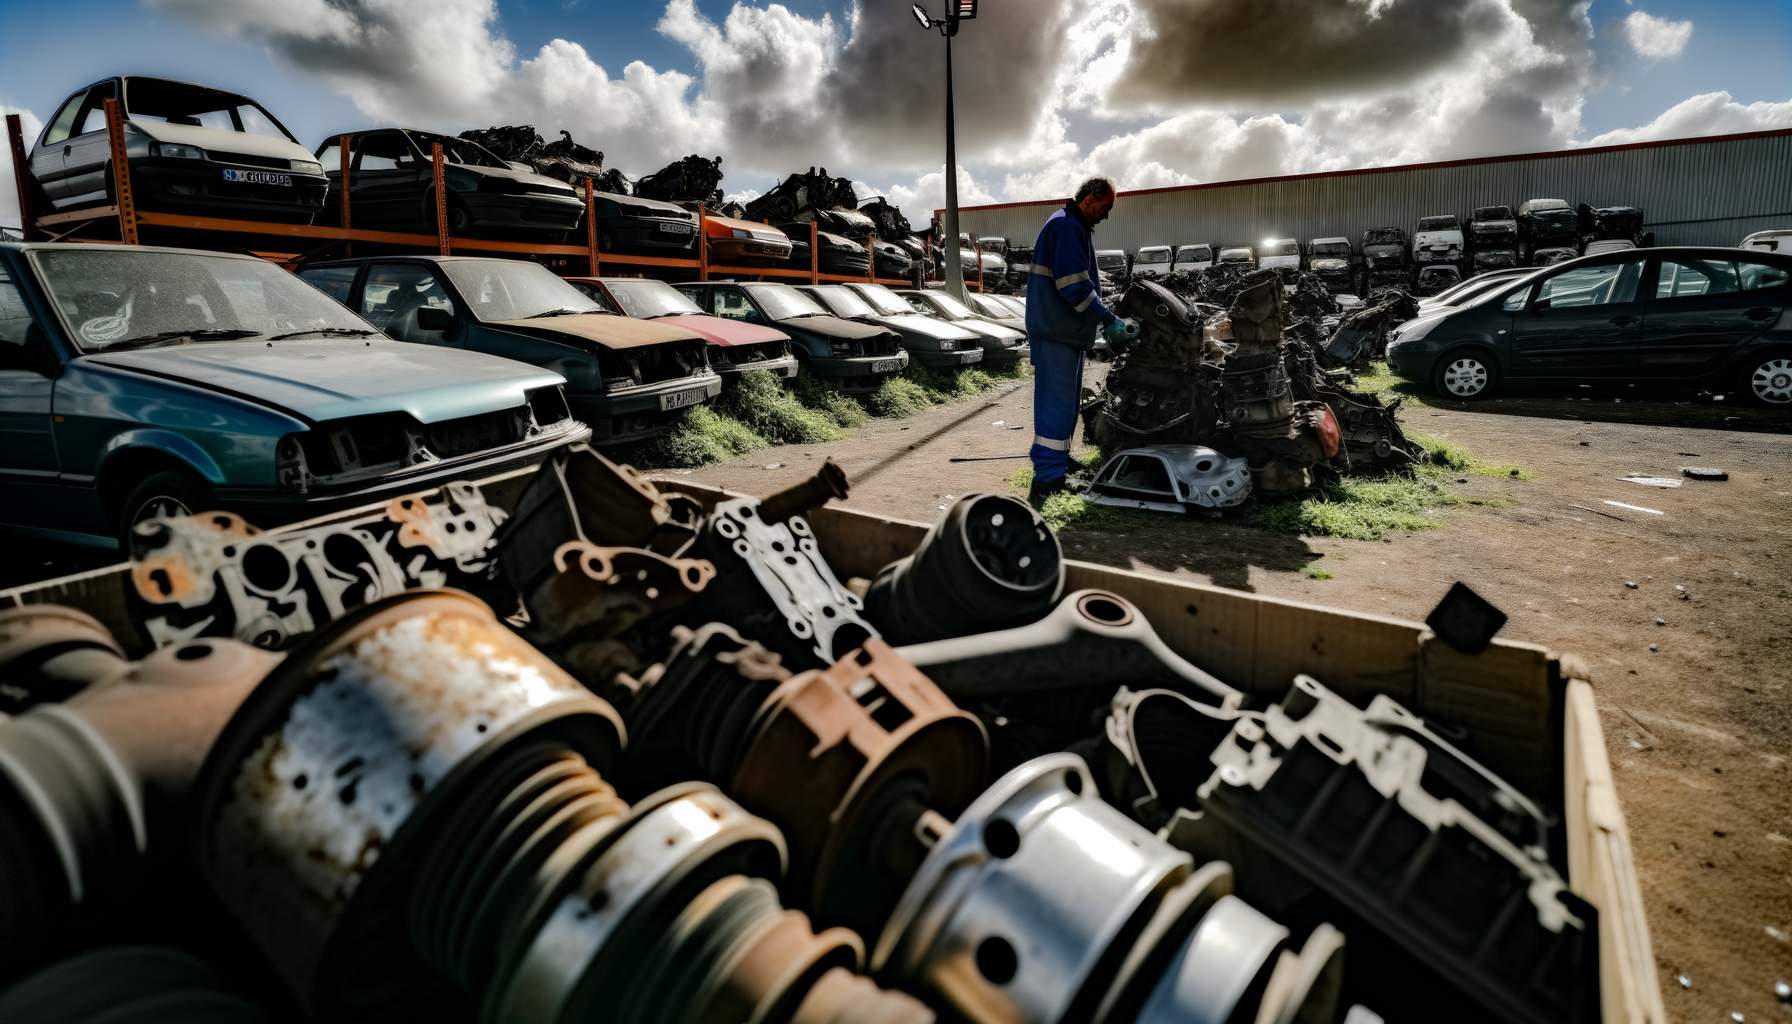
(394, 293)
(196, 106)
(1518, 299)
(646, 299)
(1761, 275)
(840, 300)
(1592, 286)
(15, 327)
(383, 151)
(1684, 278)
(92, 117)
(64, 121)
(733, 304)
(515, 290)
(110, 297)
(782, 302)
(883, 299)
(331, 157)
(336, 282)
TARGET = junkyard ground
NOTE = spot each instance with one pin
(1698, 728)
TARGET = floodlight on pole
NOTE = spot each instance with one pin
(956, 11)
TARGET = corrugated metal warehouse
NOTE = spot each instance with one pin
(1708, 191)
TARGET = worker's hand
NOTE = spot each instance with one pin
(1122, 330)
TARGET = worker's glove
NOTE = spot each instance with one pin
(1121, 331)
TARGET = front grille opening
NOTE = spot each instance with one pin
(654, 364)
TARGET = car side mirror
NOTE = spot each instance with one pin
(434, 319)
(1540, 305)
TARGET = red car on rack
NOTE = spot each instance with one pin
(735, 346)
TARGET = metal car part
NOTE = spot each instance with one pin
(214, 575)
(990, 563)
(1172, 478)
(413, 719)
(828, 483)
(129, 985)
(1092, 637)
(93, 790)
(1222, 967)
(1430, 852)
(596, 594)
(774, 587)
(49, 653)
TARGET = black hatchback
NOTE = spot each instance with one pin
(1695, 317)
(391, 185)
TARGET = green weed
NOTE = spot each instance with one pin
(1313, 572)
(899, 397)
(823, 398)
(703, 437)
(759, 401)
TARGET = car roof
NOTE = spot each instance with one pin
(121, 247)
(427, 257)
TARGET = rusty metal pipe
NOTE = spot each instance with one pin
(828, 483)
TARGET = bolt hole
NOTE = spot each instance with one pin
(1073, 781)
(1001, 839)
(193, 652)
(1105, 609)
(996, 960)
(301, 781)
(481, 727)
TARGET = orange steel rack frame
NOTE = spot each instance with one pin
(125, 220)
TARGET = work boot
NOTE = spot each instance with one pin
(1041, 490)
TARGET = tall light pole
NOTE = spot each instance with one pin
(956, 11)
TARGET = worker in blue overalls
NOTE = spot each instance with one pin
(1064, 314)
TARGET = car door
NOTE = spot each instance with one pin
(88, 150)
(1584, 322)
(392, 295)
(386, 184)
(48, 161)
(1702, 309)
(28, 463)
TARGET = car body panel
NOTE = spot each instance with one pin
(606, 329)
(874, 352)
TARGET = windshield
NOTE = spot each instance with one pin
(1383, 236)
(1235, 255)
(992, 244)
(782, 302)
(111, 298)
(1154, 255)
(841, 301)
(1110, 260)
(1331, 249)
(954, 309)
(458, 151)
(989, 306)
(1493, 213)
(885, 301)
(1194, 253)
(1437, 224)
(149, 99)
(514, 290)
(645, 300)
(1281, 248)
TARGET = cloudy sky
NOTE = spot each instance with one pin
(1149, 92)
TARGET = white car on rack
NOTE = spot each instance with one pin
(1152, 262)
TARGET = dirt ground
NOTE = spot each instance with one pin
(1693, 692)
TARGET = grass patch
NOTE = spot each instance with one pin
(898, 397)
(1313, 572)
(1356, 509)
(703, 437)
(758, 401)
(814, 394)
(1452, 456)
(1377, 379)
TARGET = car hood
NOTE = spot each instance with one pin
(605, 329)
(1429, 238)
(331, 379)
(915, 323)
(721, 331)
(538, 182)
(655, 207)
(1330, 263)
(223, 141)
(990, 329)
(833, 327)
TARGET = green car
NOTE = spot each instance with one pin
(138, 381)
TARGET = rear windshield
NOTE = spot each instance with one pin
(150, 99)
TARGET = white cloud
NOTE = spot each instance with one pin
(1712, 113)
(1656, 38)
(9, 192)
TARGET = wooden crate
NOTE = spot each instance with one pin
(1532, 717)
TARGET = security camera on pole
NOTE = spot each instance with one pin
(956, 11)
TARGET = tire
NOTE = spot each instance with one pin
(785, 207)
(1466, 375)
(460, 221)
(1766, 379)
(164, 492)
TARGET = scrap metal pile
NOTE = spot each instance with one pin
(693, 179)
(653, 761)
(815, 196)
(1209, 383)
(562, 159)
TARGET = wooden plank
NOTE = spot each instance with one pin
(1602, 867)
(1509, 700)
(73, 216)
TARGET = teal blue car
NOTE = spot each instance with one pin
(137, 382)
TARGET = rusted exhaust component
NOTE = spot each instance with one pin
(129, 985)
(1093, 637)
(93, 790)
(828, 484)
(214, 575)
(875, 744)
(390, 738)
(990, 563)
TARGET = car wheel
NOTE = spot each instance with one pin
(785, 207)
(168, 492)
(1767, 379)
(1465, 375)
(460, 222)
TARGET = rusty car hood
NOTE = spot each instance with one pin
(607, 330)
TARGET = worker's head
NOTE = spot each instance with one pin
(1095, 198)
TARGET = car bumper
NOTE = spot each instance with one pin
(643, 411)
(200, 185)
(647, 234)
(858, 373)
(783, 366)
(999, 356)
(723, 250)
(551, 213)
(266, 507)
(953, 360)
(1411, 363)
(843, 264)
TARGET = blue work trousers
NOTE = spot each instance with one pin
(1057, 390)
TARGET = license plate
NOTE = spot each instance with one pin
(681, 399)
(676, 229)
(257, 177)
(886, 366)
